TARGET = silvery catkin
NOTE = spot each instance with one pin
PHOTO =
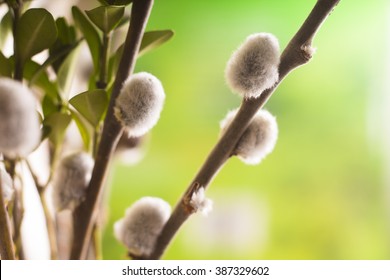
(140, 103)
(253, 67)
(259, 138)
(71, 180)
(20, 130)
(142, 224)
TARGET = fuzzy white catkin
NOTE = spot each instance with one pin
(140, 103)
(258, 140)
(142, 224)
(253, 67)
(6, 185)
(200, 202)
(71, 180)
(19, 126)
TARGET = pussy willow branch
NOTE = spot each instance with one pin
(6, 244)
(84, 215)
(295, 54)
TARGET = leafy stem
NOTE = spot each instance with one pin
(297, 52)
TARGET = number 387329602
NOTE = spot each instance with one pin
(241, 270)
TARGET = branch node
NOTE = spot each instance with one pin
(186, 201)
(307, 51)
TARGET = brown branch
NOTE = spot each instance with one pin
(297, 52)
(6, 244)
(84, 215)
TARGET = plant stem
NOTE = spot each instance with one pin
(17, 216)
(50, 225)
(297, 52)
(6, 245)
(18, 71)
(84, 215)
(102, 82)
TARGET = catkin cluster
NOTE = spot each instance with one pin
(253, 68)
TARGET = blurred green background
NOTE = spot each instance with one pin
(323, 192)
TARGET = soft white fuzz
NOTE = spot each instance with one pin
(140, 103)
(258, 140)
(253, 67)
(19, 123)
(6, 185)
(71, 180)
(200, 202)
(142, 224)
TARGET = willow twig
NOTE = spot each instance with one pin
(84, 215)
(297, 52)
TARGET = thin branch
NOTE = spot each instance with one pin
(6, 244)
(17, 10)
(297, 52)
(50, 225)
(84, 215)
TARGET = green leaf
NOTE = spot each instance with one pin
(106, 17)
(36, 32)
(5, 66)
(154, 39)
(49, 106)
(57, 122)
(42, 81)
(5, 28)
(90, 34)
(65, 43)
(84, 128)
(66, 74)
(91, 105)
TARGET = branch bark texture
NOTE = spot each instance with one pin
(298, 52)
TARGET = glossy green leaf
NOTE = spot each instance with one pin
(66, 74)
(90, 34)
(84, 128)
(5, 28)
(57, 122)
(154, 39)
(36, 32)
(5, 66)
(42, 81)
(91, 105)
(106, 17)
